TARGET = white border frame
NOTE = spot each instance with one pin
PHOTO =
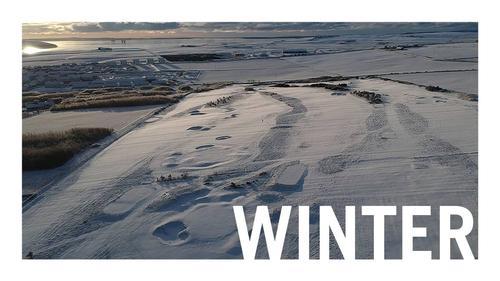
(257, 10)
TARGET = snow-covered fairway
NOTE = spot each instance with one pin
(273, 146)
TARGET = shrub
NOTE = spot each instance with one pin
(281, 85)
(436, 89)
(185, 88)
(44, 97)
(164, 88)
(370, 96)
(337, 87)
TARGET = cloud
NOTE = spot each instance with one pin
(123, 26)
(264, 26)
(327, 26)
(73, 28)
(97, 27)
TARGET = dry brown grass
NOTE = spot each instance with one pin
(45, 97)
(114, 101)
(105, 97)
(50, 150)
(118, 96)
(431, 88)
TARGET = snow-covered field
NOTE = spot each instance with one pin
(457, 51)
(418, 148)
(166, 189)
(115, 118)
(459, 81)
(366, 62)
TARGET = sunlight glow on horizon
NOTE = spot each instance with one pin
(29, 50)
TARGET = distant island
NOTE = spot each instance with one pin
(38, 44)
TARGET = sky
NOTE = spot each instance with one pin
(64, 30)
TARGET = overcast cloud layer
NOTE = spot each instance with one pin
(152, 29)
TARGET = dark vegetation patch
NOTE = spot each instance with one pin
(469, 97)
(185, 88)
(281, 85)
(193, 57)
(219, 101)
(37, 97)
(333, 87)
(105, 97)
(170, 177)
(321, 79)
(436, 89)
(114, 97)
(306, 80)
(115, 101)
(370, 96)
(52, 149)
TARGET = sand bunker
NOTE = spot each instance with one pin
(172, 232)
(291, 177)
(210, 221)
(270, 197)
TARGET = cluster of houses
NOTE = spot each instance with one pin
(116, 73)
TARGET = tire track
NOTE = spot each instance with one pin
(376, 125)
(274, 144)
(433, 150)
(413, 122)
(85, 218)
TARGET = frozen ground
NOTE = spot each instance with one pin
(345, 55)
(83, 50)
(275, 146)
(459, 81)
(115, 118)
(447, 52)
(166, 189)
(122, 120)
(366, 62)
